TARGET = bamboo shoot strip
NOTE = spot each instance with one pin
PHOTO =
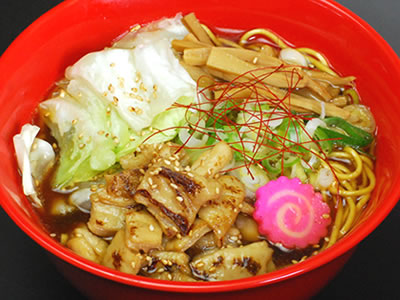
(194, 26)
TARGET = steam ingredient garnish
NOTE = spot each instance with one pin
(183, 155)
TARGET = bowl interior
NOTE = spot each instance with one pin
(40, 55)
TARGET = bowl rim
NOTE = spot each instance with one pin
(340, 248)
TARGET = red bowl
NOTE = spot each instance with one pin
(74, 28)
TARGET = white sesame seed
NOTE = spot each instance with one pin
(151, 227)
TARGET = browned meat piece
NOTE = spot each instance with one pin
(233, 263)
(140, 158)
(105, 220)
(123, 184)
(220, 214)
(142, 231)
(199, 229)
(169, 262)
(101, 195)
(86, 244)
(119, 257)
(214, 160)
(174, 197)
(148, 153)
(248, 228)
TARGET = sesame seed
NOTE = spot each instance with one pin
(176, 169)
(142, 87)
(179, 236)
(179, 198)
(255, 60)
(151, 227)
(326, 216)
(148, 258)
(116, 140)
(115, 101)
(142, 171)
(173, 185)
(93, 188)
(138, 111)
(187, 169)
(155, 87)
(315, 253)
(138, 76)
(169, 276)
(217, 190)
(112, 65)
(164, 262)
(316, 246)
(53, 235)
(167, 162)
(62, 93)
(111, 88)
(37, 182)
(294, 261)
(133, 264)
(200, 264)
(100, 132)
(81, 146)
(190, 175)
(190, 233)
(212, 269)
(134, 90)
(74, 121)
(150, 180)
(160, 270)
(47, 114)
(234, 238)
(132, 138)
(326, 239)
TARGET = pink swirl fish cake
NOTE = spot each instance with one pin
(291, 213)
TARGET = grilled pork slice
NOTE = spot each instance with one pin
(220, 214)
(170, 262)
(213, 160)
(122, 186)
(86, 244)
(147, 153)
(119, 257)
(105, 220)
(181, 244)
(142, 231)
(233, 263)
(174, 196)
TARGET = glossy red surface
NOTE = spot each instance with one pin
(40, 54)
